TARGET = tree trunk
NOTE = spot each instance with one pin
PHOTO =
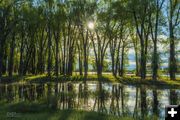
(173, 22)
(85, 65)
(122, 61)
(57, 58)
(11, 58)
(85, 60)
(112, 59)
(135, 43)
(1, 56)
(113, 47)
(172, 59)
(155, 54)
(5, 58)
(33, 71)
(137, 63)
(49, 50)
(99, 68)
(155, 62)
(21, 56)
(80, 63)
(85, 51)
(143, 36)
(143, 65)
(64, 55)
(117, 58)
(70, 62)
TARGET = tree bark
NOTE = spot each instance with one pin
(137, 63)
(155, 64)
(49, 49)
(174, 14)
(20, 71)
(11, 58)
(122, 60)
(172, 59)
(85, 48)
(1, 56)
(57, 55)
(80, 58)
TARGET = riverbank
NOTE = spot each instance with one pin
(128, 80)
(37, 111)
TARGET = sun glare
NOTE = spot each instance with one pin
(91, 25)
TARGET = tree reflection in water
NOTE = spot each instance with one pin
(155, 104)
(143, 96)
(173, 97)
(117, 99)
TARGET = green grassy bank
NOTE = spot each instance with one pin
(129, 80)
(37, 111)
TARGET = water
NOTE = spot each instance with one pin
(107, 98)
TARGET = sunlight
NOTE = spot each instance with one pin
(91, 25)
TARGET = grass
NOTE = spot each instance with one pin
(65, 115)
(132, 80)
(162, 82)
(45, 78)
(35, 111)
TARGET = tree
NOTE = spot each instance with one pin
(6, 25)
(100, 44)
(140, 11)
(154, 25)
(174, 11)
(58, 21)
(84, 10)
(49, 32)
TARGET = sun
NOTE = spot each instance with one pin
(91, 25)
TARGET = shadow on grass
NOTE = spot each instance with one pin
(37, 111)
(62, 78)
(151, 83)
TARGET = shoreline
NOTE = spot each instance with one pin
(127, 80)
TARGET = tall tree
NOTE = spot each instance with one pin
(49, 32)
(6, 25)
(140, 11)
(154, 25)
(100, 44)
(174, 11)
